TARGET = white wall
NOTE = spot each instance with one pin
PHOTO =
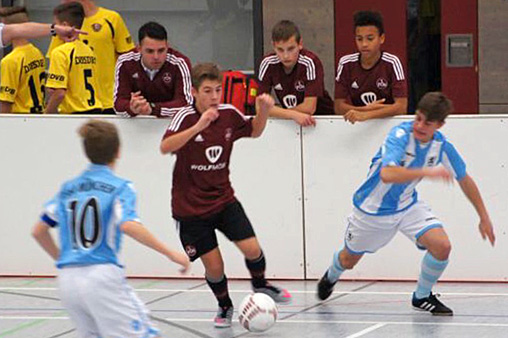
(38, 153)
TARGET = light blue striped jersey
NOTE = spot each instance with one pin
(88, 211)
(401, 149)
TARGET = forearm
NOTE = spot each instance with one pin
(342, 107)
(27, 30)
(401, 174)
(388, 110)
(122, 106)
(141, 234)
(56, 97)
(259, 124)
(282, 113)
(173, 143)
(5, 107)
(168, 108)
(472, 193)
(308, 106)
(41, 234)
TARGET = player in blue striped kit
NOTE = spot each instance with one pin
(91, 212)
(387, 201)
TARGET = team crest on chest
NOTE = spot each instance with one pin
(228, 134)
(290, 101)
(96, 27)
(368, 98)
(381, 83)
(299, 86)
(166, 78)
(213, 153)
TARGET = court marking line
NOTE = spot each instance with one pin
(367, 330)
(292, 321)
(474, 294)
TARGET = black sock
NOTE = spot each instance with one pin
(220, 290)
(257, 271)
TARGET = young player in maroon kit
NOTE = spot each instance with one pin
(370, 83)
(296, 75)
(154, 80)
(202, 137)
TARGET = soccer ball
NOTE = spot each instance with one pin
(258, 312)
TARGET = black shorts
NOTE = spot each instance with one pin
(198, 236)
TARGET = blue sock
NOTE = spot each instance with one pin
(335, 270)
(432, 269)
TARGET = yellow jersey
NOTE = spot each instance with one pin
(22, 79)
(108, 36)
(72, 66)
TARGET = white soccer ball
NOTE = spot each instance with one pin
(258, 312)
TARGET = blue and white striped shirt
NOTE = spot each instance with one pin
(88, 211)
(402, 149)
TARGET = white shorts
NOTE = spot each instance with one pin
(369, 233)
(101, 304)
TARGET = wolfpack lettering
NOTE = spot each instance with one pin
(208, 167)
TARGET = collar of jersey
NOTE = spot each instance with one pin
(99, 167)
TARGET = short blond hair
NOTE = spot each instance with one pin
(100, 141)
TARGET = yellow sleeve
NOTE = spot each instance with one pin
(9, 80)
(55, 42)
(59, 65)
(122, 39)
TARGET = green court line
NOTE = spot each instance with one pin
(27, 325)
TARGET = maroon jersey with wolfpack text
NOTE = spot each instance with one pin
(305, 80)
(361, 86)
(201, 185)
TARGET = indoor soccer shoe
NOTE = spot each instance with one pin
(224, 317)
(324, 287)
(279, 295)
(431, 304)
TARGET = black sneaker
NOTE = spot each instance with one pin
(324, 287)
(431, 304)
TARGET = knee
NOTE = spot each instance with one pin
(442, 250)
(215, 272)
(348, 261)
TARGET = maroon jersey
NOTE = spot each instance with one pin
(361, 86)
(168, 92)
(201, 185)
(305, 80)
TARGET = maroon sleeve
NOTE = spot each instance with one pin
(315, 87)
(399, 86)
(180, 122)
(242, 125)
(182, 96)
(341, 81)
(265, 78)
(123, 88)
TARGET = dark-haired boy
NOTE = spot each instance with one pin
(296, 75)
(155, 80)
(203, 200)
(370, 83)
(387, 201)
